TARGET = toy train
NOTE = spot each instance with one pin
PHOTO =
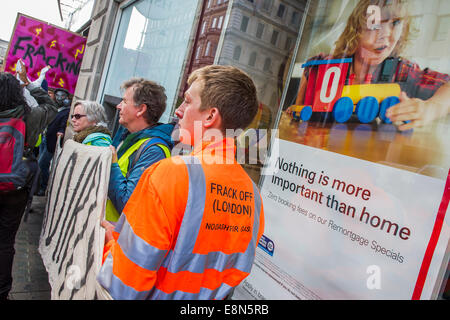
(328, 91)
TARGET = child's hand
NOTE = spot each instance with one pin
(289, 110)
(418, 112)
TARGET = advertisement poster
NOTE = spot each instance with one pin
(357, 187)
(342, 228)
(39, 44)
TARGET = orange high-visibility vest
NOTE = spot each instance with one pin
(189, 230)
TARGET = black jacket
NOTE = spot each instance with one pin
(38, 118)
(57, 125)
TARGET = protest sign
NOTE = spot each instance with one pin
(71, 243)
(39, 44)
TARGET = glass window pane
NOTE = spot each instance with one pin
(358, 61)
(260, 30)
(151, 42)
(237, 53)
(244, 23)
(203, 27)
(399, 57)
(280, 12)
(274, 38)
(252, 59)
(295, 18)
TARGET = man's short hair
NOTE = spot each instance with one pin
(231, 91)
(149, 93)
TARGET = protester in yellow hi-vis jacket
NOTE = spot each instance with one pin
(140, 141)
(191, 227)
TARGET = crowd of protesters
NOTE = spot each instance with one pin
(154, 205)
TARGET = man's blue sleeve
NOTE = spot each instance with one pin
(121, 188)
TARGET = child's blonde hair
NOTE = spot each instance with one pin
(348, 42)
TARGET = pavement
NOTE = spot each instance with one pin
(30, 279)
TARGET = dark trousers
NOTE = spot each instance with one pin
(45, 157)
(12, 206)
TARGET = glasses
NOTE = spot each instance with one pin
(78, 116)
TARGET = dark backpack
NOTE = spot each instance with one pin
(14, 171)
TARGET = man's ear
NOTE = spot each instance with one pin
(142, 109)
(213, 119)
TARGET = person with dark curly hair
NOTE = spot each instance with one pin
(13, 203)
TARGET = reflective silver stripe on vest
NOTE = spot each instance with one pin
(137, 250)
(195, 206)
(115, 287)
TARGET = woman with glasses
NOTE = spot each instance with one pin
(89, 123)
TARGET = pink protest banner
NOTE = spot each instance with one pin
(39, 44)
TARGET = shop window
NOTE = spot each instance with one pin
(423, 59)
(151, 48)
(320, 123)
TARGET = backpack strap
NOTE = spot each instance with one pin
(151, 142)
(27, 149)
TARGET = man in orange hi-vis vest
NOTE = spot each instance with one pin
(191, 227)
